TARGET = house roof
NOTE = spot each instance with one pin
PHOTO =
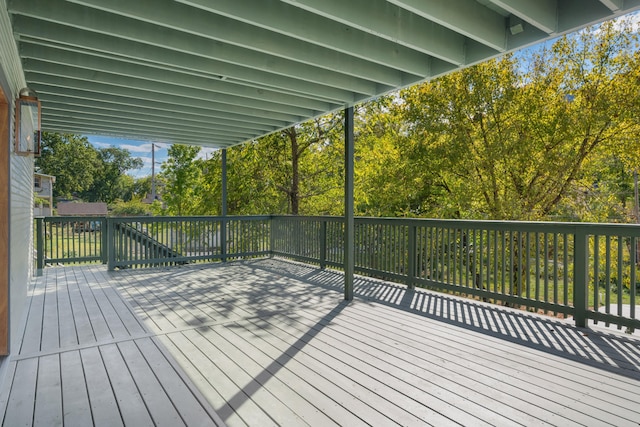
(218, 73)
(71, 208)
(44, 175)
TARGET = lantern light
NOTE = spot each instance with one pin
(27, 130)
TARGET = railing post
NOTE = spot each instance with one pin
(323, 243)
(581, 276)
(111, 244)
(272, 237)
(40, 236)
(411, 267)
(223, 239)
(104, 232)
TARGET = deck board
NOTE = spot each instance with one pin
(21, 401)
(192, 412)
(77, 409)
(66, 318)
(50, 336)
(159, 405)
(103, 290)
(132, 407)
(103, 404)
(84, 329)
(48, 402)
(270, 342)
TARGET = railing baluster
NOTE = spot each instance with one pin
(581, 274)
(555, 268)
(632, 276)
(546, 267)
(620, 266)
(412, 256)
(565, 269)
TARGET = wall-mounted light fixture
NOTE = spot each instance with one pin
(516, 25)
(27, 123)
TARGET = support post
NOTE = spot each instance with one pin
(153, 173)
(581, 277)
(223, 208)
(349, 223)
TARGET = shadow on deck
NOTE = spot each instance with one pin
(271, 342)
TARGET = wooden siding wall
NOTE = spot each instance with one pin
(19, 170)
(4, 225)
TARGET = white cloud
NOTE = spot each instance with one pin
(206, 152)
(101, 144)
(143, 148)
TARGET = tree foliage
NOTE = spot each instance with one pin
(71, 159)
(510, 143)
(81, 170)
(182, 174)
(548, 133)
(111, 182)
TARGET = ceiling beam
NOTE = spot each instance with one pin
(61, 122)
(400, 40)
(127, 122)
(177, 101)
(542, 14)
(160, 90)
(115, 66)
(178, 33)
(61, 128)
(187, 20)
(153, 114)
(157, 105)
(149, 56)
(175, 123)
(133, 39)
(76, 120)
(466, 17)
(613, 5)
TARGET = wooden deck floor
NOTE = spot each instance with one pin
(270, 342)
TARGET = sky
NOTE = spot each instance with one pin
(141, 149)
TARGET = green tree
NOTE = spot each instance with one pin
(142, 187)
(182, 174)
(71, 159)
(300, 159)
(289, 172)
(387, 181)
(511, 143)
(111, 182)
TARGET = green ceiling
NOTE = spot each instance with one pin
(221, 72)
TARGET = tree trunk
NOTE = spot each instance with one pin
(294, 191)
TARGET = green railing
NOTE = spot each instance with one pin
(70, 240)
(152, 241)
(588, 271)
(149, 241)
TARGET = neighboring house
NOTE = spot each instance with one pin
(82, 209)
(43, 187)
